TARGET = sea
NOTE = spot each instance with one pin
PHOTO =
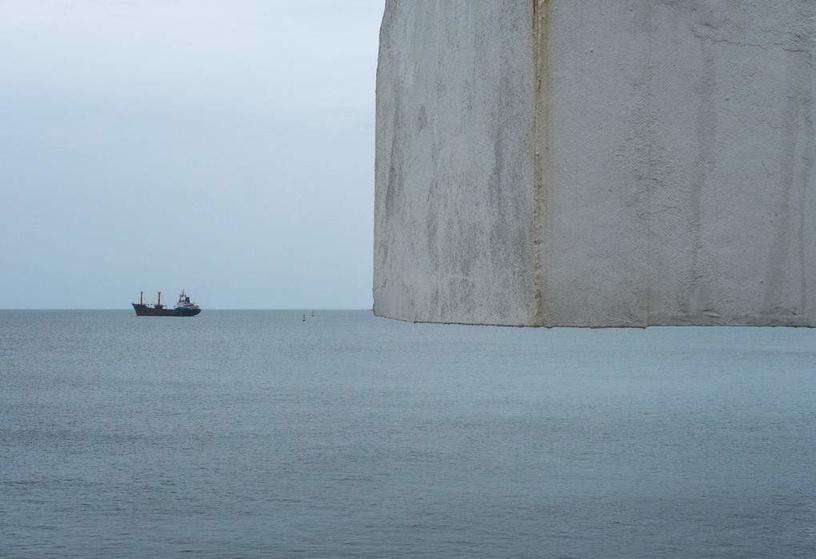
(258, 434)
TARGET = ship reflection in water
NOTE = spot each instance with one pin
(184, 307)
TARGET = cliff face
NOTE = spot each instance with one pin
(596, 163)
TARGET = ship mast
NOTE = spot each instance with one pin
(141, 297)
(159, 303)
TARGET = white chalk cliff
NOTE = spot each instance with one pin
(596, 163)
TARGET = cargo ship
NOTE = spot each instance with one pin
(184, 307)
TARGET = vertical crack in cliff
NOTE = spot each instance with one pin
(810, 155)
(542, 104)
(808, 19)
(697, 298)
(794, 171)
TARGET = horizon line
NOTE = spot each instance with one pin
(215, 309)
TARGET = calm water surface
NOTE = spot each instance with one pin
(254, 434)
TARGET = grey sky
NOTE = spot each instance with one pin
(225, 147)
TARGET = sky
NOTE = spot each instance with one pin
(223, 147)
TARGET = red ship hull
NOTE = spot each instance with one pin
(145, 310)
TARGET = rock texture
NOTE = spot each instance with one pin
(596, 163)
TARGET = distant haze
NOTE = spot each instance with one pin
(221, 147)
